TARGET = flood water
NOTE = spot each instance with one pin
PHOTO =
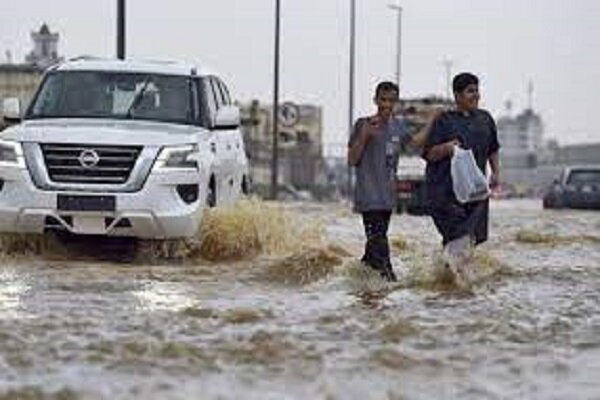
(271, 304)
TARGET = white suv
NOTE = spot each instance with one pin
(121, 148)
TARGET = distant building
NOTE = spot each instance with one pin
(521, 138)
(21, 80)
(301, 162)
(45, 48)
(586, 153)
(18, 80)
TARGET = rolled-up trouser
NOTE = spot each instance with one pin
(377, 248)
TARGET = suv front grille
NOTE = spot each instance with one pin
(89, 164)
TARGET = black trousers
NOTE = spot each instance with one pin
(454, 220)
(377, 248)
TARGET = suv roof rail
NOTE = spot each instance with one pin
(84, 57)
(193, 69)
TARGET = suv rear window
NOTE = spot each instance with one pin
(584, 177)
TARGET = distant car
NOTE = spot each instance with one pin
(577, 187)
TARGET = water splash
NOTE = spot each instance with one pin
(251, 228)
(305, 266)
(245, 231)
(22, 245)
(364, 280)
(399, 243)
(552, 239)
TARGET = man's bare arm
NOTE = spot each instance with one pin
(420, 138)
(367, 130)
(441, 151)
(355, 151)
(495, 167)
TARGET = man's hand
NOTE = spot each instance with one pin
(369, 129)
(441, 151)
(494, 180)
(495, 167)
(372, 127)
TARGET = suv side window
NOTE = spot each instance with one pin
(219, 101)
(224, 92)
(194, 102)
(209, 95)
(207, 101)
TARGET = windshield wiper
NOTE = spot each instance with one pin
(136, 100)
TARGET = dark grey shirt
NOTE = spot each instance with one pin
(476, 131)
(376, 170)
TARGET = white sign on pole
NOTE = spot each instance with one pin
(289, 114)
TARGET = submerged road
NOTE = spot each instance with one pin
(287, 313)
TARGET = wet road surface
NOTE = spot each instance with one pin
(269, 303)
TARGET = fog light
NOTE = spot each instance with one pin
(188, 193)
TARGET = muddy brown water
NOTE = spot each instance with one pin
(291, 315)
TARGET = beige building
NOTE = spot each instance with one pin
(301, 165)
(521, 138)
(21, 80)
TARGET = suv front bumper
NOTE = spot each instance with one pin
(157, 211)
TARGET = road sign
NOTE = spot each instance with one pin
(289, 114)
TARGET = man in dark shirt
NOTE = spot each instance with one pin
(374, 148)
(471, 128)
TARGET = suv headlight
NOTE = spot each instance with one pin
(177, 157)
(11, 154)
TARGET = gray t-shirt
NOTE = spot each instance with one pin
(376, 169)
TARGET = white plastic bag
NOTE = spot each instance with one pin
(468, 182)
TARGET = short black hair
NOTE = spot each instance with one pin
(462, 80)
(386, 86)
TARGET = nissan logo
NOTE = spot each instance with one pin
(88, 158)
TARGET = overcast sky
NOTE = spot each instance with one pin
(554, 43)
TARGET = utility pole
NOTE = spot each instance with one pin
(351, 84)
(275, 153)
(398, 9)
(448, 68)
(121, 29)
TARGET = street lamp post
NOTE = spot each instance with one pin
(398, 9)
(448, 69)
(275, 152)
(351, 83)
(121, 29)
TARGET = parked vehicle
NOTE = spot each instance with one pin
(121, 148)
(410, 184)
(577, 187)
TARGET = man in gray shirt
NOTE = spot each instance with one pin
(374, 148)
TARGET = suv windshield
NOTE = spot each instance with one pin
(584, 177)
(96, 94)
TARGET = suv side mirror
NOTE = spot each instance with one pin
(228, 117)
(11, 109)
